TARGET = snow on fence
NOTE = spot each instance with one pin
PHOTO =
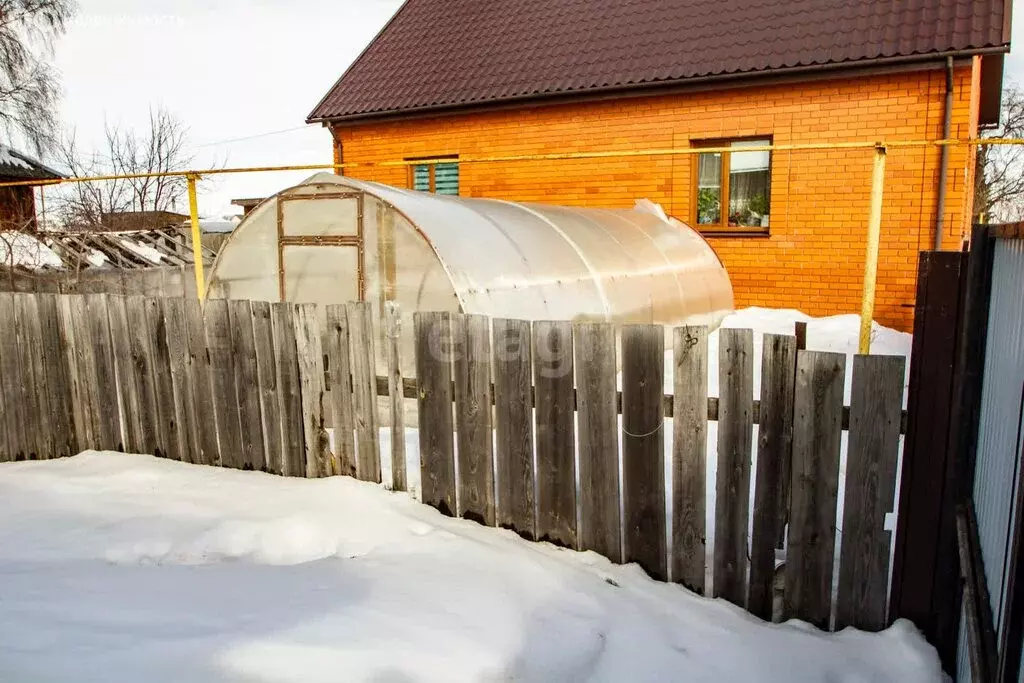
(532, 443)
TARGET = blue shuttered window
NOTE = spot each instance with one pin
(438, 178)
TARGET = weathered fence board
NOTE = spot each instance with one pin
(109, 419)
(643, 450)
(121, 340)
(872, 453)
(58, 389)
(598, 419)
(339, 363)
(364, 392)
(775, 441)
(471, 351)
(222, 382)
(167, 431)
(434, 375)
(689, 456)
(735, 434)
(290, 393)
(247, 385)
(9, 427)
(184, 405)
(557, 520)
(141, 384)
(266, 369)
(396, 404)
(309, 349)
(817, 433)
(513, 372)
(33, 394)
(71, 314)
(556, 433)
(207, 449)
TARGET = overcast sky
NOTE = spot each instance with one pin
(232, 69)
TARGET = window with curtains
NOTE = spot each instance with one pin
(439, 178)
(733, 187)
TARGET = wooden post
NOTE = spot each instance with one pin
(434, 376)
(600, 528)
(643, 451)
(735, 434)
(396, 397)
(817, 434)
(556, 433)
(513, 372)
(689, 458)
(471, 350)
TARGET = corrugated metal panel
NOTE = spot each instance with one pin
(999, 448)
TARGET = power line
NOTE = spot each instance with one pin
(252, 137)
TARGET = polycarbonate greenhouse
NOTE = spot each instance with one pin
(334, 239)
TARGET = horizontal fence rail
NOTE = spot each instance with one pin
(561, 432)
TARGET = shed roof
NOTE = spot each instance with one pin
(20, 166)
(451, 53)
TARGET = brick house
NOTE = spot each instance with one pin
(18, 204)
(472, 79)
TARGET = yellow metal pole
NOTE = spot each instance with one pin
(867, 311)
(197, 236)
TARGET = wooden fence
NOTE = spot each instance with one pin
(254, 385)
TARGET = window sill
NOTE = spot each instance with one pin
(736, 233)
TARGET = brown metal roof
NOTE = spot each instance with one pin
(449, 53)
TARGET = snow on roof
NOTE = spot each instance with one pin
(15, 164)
(21, 250)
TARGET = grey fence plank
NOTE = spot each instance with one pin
(735, 434)
(396, 398)
(247, 385)
(222, 383)
(643, 449)
(121, 339)
(72, 317)
(108, 417)
(142, 374)
(364, 392)
(163, 382)
(775, 442)
(471, 350)
(689, 457)
(875, 410)
(33, 376)
(290, 393)
(339, 363)
(598, 417)
(207, 448)
(553, 371)
(434, 377)
(8, 401)
(58, 389)
(513, 372)
(817, 433)
(270, 407)
(185, 417)
(309, 349)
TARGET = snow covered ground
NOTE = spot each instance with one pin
(128, 568)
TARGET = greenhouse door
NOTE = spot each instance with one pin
(320, 246)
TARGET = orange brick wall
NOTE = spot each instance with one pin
(814, 258)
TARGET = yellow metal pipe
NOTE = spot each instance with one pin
(867, 310)
(683, 151)
(197, 236)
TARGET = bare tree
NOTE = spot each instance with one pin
(160, 149)
(999, 179)
(29, 89)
